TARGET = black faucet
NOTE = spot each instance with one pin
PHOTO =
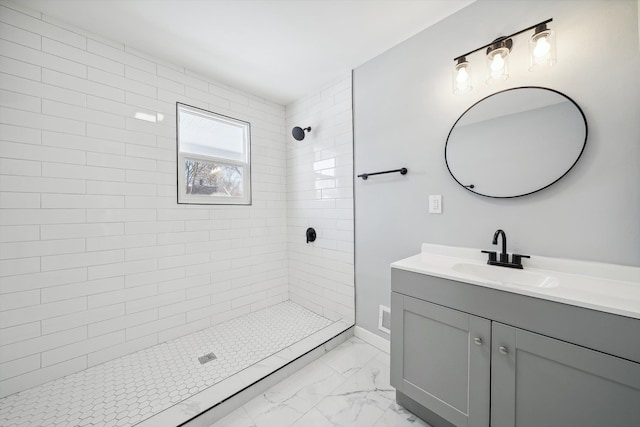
(516, 261)
(504, 256)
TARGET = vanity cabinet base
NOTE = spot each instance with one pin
(467, 356)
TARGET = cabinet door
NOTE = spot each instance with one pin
(441, 359)
(538, 381)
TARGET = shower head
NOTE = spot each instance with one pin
(298, 132)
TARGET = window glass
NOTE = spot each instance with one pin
(213, 158)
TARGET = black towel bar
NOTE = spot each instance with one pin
(364, 176)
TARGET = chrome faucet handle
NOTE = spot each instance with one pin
(517, 258)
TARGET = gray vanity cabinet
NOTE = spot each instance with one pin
(537, 363)
(537, 381)
(441, 358)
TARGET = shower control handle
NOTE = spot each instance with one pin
(311, 235)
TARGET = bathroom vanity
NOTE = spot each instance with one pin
(556, 344)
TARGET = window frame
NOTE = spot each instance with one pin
(198, 199)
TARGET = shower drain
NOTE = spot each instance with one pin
(206, 358)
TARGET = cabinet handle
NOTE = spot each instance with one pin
(502, 349)
(477, 340)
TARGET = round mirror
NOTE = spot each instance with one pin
(516, 142)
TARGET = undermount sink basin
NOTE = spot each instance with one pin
(507, 276)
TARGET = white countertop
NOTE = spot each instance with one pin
(605, 287)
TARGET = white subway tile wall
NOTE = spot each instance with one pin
(96, 258)
(320, 195)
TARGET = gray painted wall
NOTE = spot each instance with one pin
(403, 111)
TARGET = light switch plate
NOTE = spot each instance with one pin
(435, 204)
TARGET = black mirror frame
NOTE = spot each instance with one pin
(470, 187)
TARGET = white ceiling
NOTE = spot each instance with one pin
(277, 49)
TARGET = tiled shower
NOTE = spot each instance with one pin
(98, 262)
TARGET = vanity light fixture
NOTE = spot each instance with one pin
(542, 48)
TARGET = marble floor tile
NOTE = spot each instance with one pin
(275, 409)
(238, 418)
(289, 400)
(357, 410)
(347, 387)
(362, 399)
(313, 418)
(374, 376)
(350, 356)
(313, 383)
(397, 416)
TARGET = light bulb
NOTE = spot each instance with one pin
(462, 76)
(497, 63)
(542, 47)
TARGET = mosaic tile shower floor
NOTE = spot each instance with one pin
(130, 389)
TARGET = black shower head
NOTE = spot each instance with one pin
(298, 132)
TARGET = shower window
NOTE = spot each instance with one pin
(213, 158)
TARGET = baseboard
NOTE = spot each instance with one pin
(373, 339)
